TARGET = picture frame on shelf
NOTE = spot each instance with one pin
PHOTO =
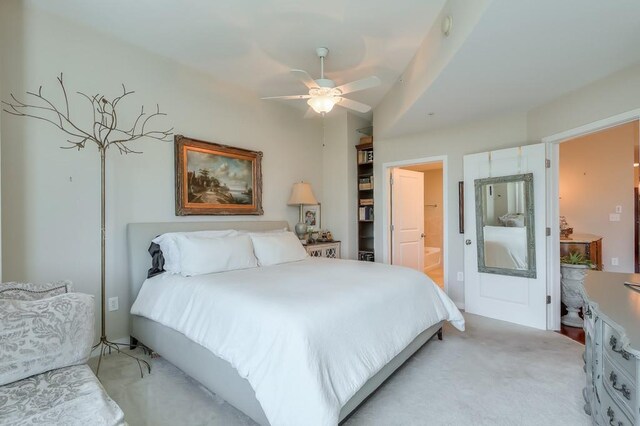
(214, 179)
(311, 214)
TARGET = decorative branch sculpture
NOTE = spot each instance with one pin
(104, 132)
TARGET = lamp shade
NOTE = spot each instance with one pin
(301, 193)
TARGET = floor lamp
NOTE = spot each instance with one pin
(105, 133)
(301, 194)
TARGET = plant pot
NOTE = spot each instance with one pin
(572, 287)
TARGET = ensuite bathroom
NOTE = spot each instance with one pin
(433, 219)
(433, 224)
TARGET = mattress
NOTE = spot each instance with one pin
(306, 335)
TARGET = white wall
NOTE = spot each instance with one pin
(612, 95)
(339, 170)
(596, 175)
(51, 198)
(489, 134)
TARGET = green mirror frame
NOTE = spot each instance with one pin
(530, 272)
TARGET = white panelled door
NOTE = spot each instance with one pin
(407, 218)
(514, 299)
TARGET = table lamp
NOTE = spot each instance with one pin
(301, 194)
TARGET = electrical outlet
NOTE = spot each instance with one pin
(614, 261)
(460, 276)
(614, 217)
(618, 209)
(113, 304)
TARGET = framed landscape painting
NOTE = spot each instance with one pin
(214, 179)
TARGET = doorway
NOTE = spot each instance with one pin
(553, 199)
(418, 218)
(600, 166)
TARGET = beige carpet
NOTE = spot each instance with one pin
(495, 373)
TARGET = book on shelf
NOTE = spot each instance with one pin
(365, 213)
(365, 157)
(366, 256)
(366, 202)
(365, 183)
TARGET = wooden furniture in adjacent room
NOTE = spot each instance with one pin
(612, 351)
(365, 198)
(587, 244)
(330, 249)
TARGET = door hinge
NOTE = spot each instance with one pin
(392, 228)
(548, 300)
(547, 163)
(548, 232)
(391, 180)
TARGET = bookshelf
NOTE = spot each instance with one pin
(364, 159)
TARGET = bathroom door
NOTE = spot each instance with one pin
(407, 218)
(517, 299)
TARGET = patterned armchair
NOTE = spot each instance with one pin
(46, 334)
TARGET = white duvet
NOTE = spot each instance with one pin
(306, 335)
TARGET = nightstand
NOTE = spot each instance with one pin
(330, 249)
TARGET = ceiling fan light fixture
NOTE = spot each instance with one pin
(322, 104)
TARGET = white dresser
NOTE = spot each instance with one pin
(612, 349)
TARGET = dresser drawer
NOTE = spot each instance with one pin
(611, 413)
(589, 318)
(612, 344)
(619, 385)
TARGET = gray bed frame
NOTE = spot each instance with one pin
(198, 362)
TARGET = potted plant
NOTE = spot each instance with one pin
(573, 268)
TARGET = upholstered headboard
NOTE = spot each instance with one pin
(139, 236)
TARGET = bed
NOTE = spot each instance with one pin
(222, 350)
(505, 247)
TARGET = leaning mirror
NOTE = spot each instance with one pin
(505, 225)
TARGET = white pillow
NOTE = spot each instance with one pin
(205, 255)
(279, 247)
(169, 247)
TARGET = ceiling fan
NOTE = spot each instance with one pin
(323, 93)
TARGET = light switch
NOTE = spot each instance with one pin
(618, 209)
(614, 217)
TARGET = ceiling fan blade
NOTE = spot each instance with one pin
(288, 97)
(357, 85)
(305, 78)
(354, 105)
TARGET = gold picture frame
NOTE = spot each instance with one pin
(214, 179)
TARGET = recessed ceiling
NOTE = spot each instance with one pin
(522, 54)
(254, 43)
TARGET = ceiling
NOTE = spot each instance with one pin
(522, 54)
(254, 43)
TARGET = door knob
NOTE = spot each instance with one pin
(421, 235)
(468, 242)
